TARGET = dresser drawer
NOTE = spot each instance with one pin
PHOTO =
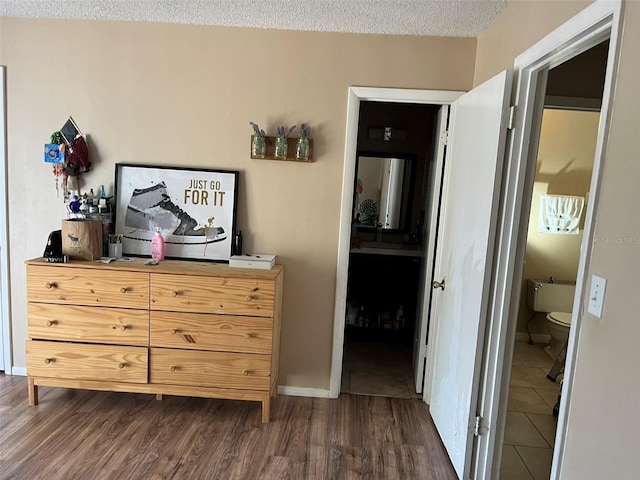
(199, 331)
(67, 285)
(210, 369)
(87, 362)
(88, 324)
(226, 295)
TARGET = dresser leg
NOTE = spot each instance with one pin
(266, 407)
(158, 396)
(33, 392)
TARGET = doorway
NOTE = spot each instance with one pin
(565, 155)
(596, 23)
(357, 95)
(390, 196)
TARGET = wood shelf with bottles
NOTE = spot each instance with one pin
(291, 150)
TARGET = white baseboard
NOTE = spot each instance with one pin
(20, 371)
(304, 392)
(536, 337)
(282, 389)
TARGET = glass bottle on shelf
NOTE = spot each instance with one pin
(281, 148)
(302, 149)
(258, 146)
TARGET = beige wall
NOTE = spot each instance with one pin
(565, 161)
(184, 95)
(520, 25)
(603, 415)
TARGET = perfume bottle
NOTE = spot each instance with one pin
(157, 246)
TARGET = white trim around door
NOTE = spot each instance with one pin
(356, 95)
(5, 328)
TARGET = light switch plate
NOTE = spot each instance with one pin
(596, 295)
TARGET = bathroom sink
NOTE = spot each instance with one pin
(388, 248)
(386, 245)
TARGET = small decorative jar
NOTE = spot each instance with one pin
(258, 146)
(281, 148)
(302, 149)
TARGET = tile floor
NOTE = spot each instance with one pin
(378, 369)
(530, 431)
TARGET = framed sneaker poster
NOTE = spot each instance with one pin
(194, 210)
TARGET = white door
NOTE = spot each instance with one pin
(464, 258)
(425, 291)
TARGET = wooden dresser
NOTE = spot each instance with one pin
(177, 328)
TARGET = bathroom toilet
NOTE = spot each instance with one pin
(559, 323)
(556, 300)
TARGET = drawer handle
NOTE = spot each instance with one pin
(51, 285)
(173, 368)
(250, 297)
(51, 323)
(124, 328)
(173, 331)
(245, 372)
(124, 290)
(247, 335)
(122, 365)
(174, 293)
(48, 360)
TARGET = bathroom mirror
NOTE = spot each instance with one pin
(382, 193)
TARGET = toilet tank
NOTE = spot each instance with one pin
(543, 296)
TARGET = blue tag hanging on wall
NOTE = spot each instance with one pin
(54, 153)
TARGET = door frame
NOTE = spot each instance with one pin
(357, 95)
(5, 327)
(597, 22)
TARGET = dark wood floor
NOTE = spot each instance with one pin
(77, 434)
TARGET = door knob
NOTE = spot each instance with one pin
(439, 284)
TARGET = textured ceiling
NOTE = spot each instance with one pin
(459, 18)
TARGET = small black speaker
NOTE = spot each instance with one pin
(53, 250)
